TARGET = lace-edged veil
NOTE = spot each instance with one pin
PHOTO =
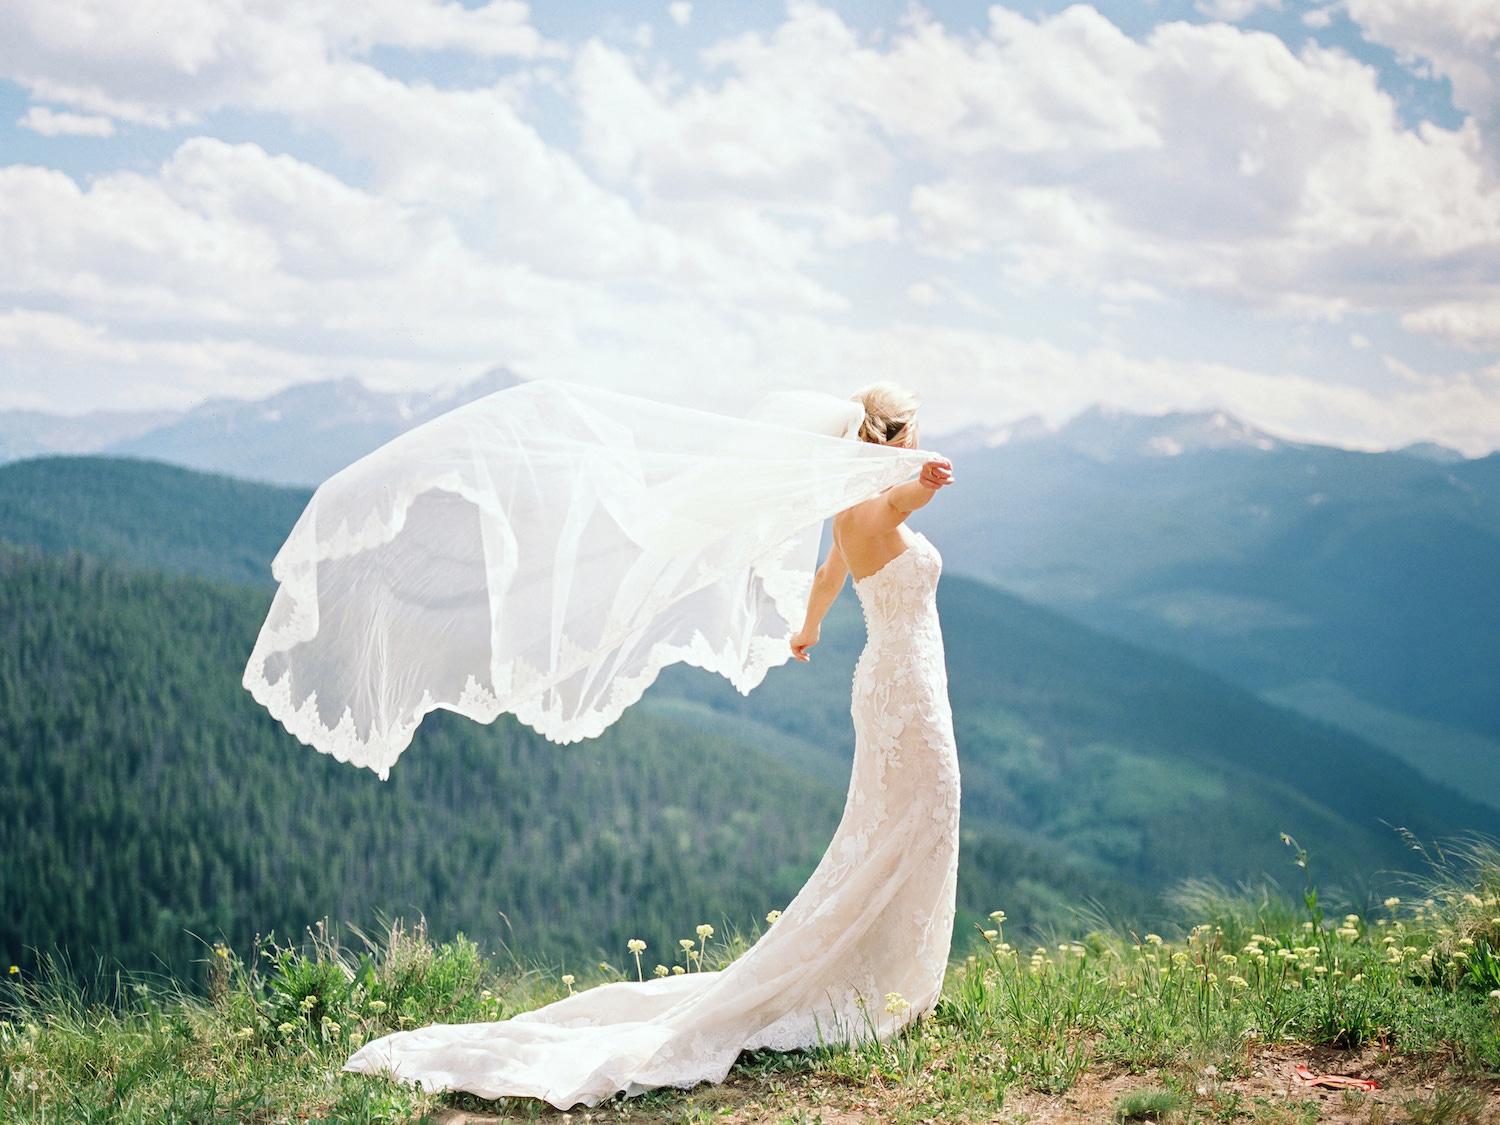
(546, 551)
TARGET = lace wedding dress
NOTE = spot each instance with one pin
(861, 950)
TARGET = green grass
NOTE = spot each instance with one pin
(267, 1041)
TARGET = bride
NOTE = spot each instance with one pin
(863, 947)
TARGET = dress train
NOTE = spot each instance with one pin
(861, 950)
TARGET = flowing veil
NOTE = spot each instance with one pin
(546, 551)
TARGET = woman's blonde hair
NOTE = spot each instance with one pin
(890, 413)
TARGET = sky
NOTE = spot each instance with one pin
(1286, 210)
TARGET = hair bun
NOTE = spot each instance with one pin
(890, 410)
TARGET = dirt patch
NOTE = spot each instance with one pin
(1268, 1092)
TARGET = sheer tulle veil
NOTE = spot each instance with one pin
(546, 551)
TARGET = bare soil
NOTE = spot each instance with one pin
(1418, 1092)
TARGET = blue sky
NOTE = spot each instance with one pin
(1286, 210)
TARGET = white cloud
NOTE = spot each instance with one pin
(1200, 157)
(923, 293)
(163, 61)
(681, 12)
(758, 223)
(1474, 323)
(1458, 38)
(41, 119)
(1233, 11)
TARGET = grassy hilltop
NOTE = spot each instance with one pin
(1212, 1026)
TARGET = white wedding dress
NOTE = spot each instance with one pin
(874, 920)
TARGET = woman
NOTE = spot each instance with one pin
(862, 948)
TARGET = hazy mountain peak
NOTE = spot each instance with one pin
(1107, 434)
(301, 435)
(1432, 451)
(31, 433)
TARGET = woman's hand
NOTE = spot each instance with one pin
(935, 474)
(802, 641)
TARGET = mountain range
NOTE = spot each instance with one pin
(1359, 589)
(299, 436)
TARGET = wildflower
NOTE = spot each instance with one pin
(15, 968)
(1465, 941)
(377, 1006)
(287, 1028)
(309, 1002)
(1212, 978)
(486, 994)
(244, 1033)
(686, 943)
(1153, 939)
(1357, 978)
(1229, 959)
(1237, 981)
(1495, 994)
(895, 1003)
(636, 945)
(990, 935)
(1392, 901)
(568, 980)
(1307, 927)
(1351, 919)
(678, 970)
(1473, 900)
(997, 916)
(660, 970)
(771, 917)
(705, 932)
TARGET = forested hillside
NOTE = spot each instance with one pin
(1129, 761)
(145, 514)
(150, 806)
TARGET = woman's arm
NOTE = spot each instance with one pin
(889, 510)
(826, 586)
